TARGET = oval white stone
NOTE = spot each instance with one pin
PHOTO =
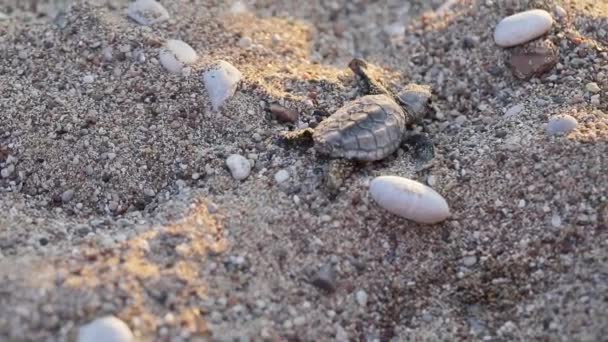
(175, 55)
(409, 199)
(147, 12)
(239, 166)
(522, 27)
(105, 329)
(221, 81)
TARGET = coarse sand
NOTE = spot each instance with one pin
(116, 199)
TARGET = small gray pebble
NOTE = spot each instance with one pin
(469, 261)
(561, 125)
(212, 208)
(281, 176)
(5, 172)
(361, 297)
(113, 205)
(67, 196)
(325, 278)
(239, 166)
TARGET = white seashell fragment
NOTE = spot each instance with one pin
(221, 81)
(105, 329)
(147, 12)
(175, 55)
(409, 199)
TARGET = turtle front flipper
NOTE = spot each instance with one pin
(367, 84)
(299, 138)
(421, 145)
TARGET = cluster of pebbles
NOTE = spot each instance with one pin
(471, 264)
(531, 54)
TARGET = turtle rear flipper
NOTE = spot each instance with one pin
(421, 145)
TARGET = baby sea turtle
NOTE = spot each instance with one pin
(371, 127)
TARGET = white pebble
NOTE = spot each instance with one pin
(395, 30)
(6, 172)
(88, 79)
(361, 297)
(147, 12)
(409, 199)
(238, 7)
(276, 39)
(561, 125)
(3, 16)
(593, 87)
(175, 55)
(281, 176)
(239, 166)
(221, 81)
(556, 221)
(105, 329)
(522, 27)
(469, 261)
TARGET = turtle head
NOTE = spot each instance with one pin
(416, 99)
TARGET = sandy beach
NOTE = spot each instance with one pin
(116, 198)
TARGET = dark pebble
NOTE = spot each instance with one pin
(533, 59)
(325, 278)
(284, 114)
(470, 42)
(501, 133)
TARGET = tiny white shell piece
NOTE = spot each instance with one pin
(108, 328)
(409, 199)
(221, 81)
(176, 54)
(147, 12)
